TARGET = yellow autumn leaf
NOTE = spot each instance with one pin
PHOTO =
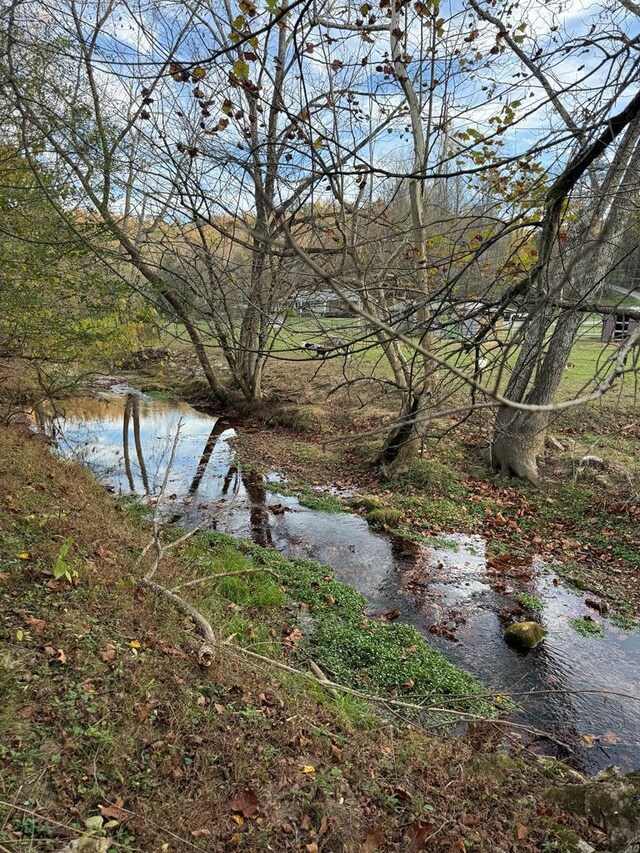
(25, 555)
(241, 69)
(134, 644)
(198, 73)
(238, 819)
(308, 768)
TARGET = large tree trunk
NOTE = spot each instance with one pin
(403, 441)
(519, 433)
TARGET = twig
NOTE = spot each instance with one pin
(209, 645)
(221, 575)
(155, 541)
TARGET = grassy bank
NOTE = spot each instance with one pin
(110, 726)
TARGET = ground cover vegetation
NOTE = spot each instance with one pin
(397, 241)
(107, 715)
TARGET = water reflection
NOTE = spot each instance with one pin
(447, 591)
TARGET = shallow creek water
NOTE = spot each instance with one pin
(444, 589)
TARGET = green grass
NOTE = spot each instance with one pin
(384, 517)
(625, 622)
(308, 497)
(587, 627)
(530, 602)
(132, 715)
(429, 477)
(380, 658)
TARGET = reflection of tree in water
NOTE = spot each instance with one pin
(216, 431)
(125, 442)
(258, 513)
(231, 477)
(132, 411)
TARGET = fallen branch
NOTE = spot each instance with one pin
(221, 575)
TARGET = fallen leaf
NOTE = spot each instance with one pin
(522, 832)
(27, 711)
(246, 803)
(402, 794)
(330, 600)
(312, 847)
(417, 835)
(198, 833)
(336, 752)
(113, 811)
(238, 819)
(134, 644)
(219, 708)
(58, 654)
(144, 710)
(308, 768)
(373, 840)
(390, 615)
(103, 553)
(293, 637)
(108, 654)
(610, 737)
(279, 509)
(36, 625)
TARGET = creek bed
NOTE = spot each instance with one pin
(444, 588)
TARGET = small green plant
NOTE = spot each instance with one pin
(432, 478)
(387, 517)
(625, 622)
(530, 602)
(62, 568)
(587, 627)
(442, 543)
(306, 496)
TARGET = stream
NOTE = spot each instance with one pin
(443, 589)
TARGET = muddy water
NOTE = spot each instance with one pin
(444, 590)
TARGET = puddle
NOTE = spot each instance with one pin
(447, 590)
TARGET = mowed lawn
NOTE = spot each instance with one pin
(590, 362)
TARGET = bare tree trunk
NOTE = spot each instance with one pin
(519, 434)
(403, 441)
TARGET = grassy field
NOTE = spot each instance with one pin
(589, 362)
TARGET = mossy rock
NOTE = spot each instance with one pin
(366, 502)
(524, 635)
(611, 802)
(384, 517)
